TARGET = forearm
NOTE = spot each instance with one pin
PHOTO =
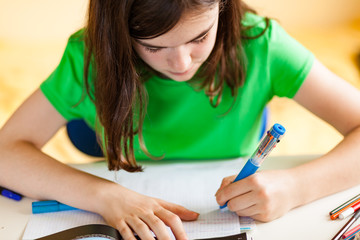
(333, 172)
(25, 169)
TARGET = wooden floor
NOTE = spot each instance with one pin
(23, 66)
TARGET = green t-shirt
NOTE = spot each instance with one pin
(180, 122)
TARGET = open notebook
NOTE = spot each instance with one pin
(191, 184)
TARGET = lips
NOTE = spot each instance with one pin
(179, 74)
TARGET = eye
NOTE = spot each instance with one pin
(152, 50)
(200, 40)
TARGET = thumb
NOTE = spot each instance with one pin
(184, 213)
(226, 181)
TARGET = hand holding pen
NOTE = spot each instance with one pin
(263, 150)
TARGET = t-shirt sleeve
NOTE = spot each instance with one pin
(289, 62)
(64, 88)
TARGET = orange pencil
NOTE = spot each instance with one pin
(336, 214)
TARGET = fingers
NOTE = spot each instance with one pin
(144, 228)
(125, 231)
(260, 196)
(174, 222)
(172, 214)
(156, 223)
(141, 229)
(157, 220)
(147, 216)
(226, 181)
(158, 226)
(184, 213)
(232, 190)
(241, 204)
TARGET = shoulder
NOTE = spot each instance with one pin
(76, 43)
(73, 55)
(267, 45)
(77, 37)
(72, 62)
(253, 20)
(261, 35)
(259, 27)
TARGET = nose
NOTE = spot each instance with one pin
(179, 59)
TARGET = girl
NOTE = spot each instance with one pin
(189, 79)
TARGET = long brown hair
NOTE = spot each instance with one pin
(118, 93)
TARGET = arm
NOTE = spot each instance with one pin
(269, 194)
(338, 103)
(24, 168)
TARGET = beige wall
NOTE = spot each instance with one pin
(303, 13)
(37, 20)
(49, 20)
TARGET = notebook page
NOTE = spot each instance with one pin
(41, 225)
(191, 185)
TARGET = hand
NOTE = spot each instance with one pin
(131, 212)
(264, 196)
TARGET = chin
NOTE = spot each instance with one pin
(181, 77)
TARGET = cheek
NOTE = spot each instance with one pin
(202, 51)
(152, 59)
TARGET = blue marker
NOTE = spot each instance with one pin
(10, 194)
(50, 206)
(265, 147)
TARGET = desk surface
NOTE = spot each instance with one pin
(306, 222)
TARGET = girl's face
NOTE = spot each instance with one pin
(179, 53)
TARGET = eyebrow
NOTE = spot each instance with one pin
(160, 47)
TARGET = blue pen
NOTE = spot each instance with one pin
(10, 194)
(50, 206)
(265, 147)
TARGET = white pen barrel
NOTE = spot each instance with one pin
(346, 213)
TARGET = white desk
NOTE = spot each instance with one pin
(307, 222)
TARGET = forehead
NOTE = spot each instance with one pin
(189, 26)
